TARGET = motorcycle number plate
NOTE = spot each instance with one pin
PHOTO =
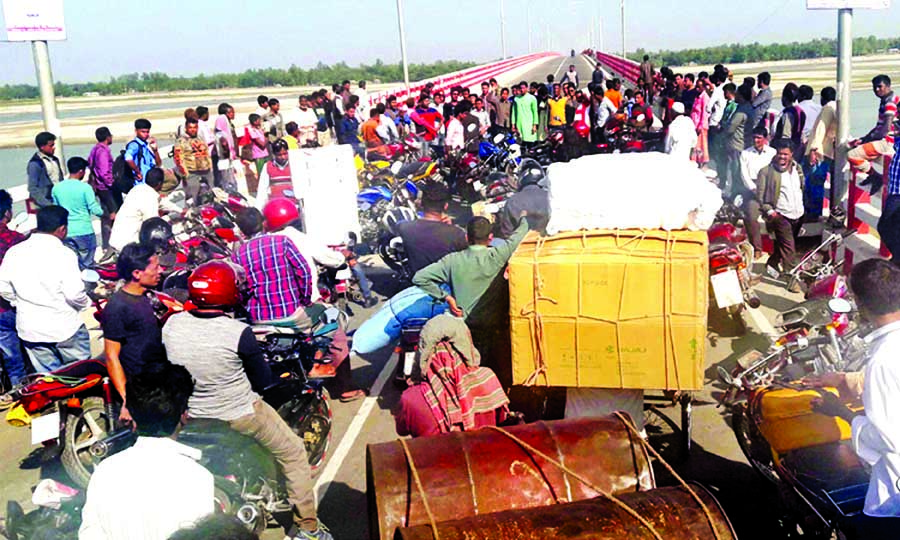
(409, 358)
(343, 274)
(727, 289)
(45, 427)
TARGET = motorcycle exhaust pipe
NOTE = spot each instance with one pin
(113, 443)
(752, 300)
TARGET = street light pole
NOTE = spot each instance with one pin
(403, 44)
(845, 55)
(502, 30)
(41, 54)
(528, 24)
(623, 28)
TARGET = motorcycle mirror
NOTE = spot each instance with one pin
(724, 376)
(90, 276)
(396, 166)
(840, 306)
(499, 138)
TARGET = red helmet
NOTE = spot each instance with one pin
(279, 212)
(214, 284)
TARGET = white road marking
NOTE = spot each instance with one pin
(556, 73)
(349, 438)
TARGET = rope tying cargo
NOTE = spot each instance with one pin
(541, 366)
(415, 474)
(709, 518)
(583, 480)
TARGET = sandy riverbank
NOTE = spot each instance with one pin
(818, 72)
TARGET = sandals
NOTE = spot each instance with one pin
(353, 395)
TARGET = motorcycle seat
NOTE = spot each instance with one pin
(719, 245)
(832, 470)
(206, 431)
(82, 369)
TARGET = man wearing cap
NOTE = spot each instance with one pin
(682, 136)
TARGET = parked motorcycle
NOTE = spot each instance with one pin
(808, 456)
(730, 256)
(819, 262)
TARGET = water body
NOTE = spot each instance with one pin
(863, 113)
(123, 108)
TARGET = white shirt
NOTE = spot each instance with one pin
(40, 277)
(455, 136)
(147, 492)
(812, 110)
(716, 105)
(206, 133)
(363, 107)
(314, 254)
(606, 110)
(388, 129)
(261, 111)
(753, 161)
(876, 436)
(140, 204)
(790, 199)
(681, 138)
(307, 123)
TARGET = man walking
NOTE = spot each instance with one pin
(571, 76)
(40, 278)
(44, 170)
(645, 79)
(779, 190)
(193, 161)
(77, 197)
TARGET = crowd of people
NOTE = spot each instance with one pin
(207, 364)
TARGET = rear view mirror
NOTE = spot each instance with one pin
(396, 166)
(724, 376)
(498, 138)
(840, 306)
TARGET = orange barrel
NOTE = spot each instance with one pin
(672, 511)
(483, 471)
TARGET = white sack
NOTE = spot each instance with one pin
(630, 191)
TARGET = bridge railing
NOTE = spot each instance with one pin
(625, 68)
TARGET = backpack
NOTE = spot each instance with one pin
(123, 176)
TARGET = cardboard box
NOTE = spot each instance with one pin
(610, 309)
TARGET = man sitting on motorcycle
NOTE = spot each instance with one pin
(428, 239)
(130, 325)
(283, 217)
(876, 435)
(155, 487)
(281, 283)
(227, 363)
(531, 198)
(455, 393)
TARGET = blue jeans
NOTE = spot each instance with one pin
(10, 348)
(87, 247)
(360, 274)
(52, 356)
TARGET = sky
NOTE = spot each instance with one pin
(188, 37)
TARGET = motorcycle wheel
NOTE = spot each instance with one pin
(311, 421)
(753, 445)
(76, 453)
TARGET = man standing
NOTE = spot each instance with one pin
(779, 190)
(262, 105)
(192, 160)
(77, 197)
(44, 170)
(40, 278)
(525, 115)
(571, 76)
(753, 159)
(130, 494)
(305, 118)
(681, 137)
(100, 161)
(597, 75)
(363, 95)
(820, 148)
(557, 109)
(427, 239)
(645, 78)
(141, 204)
(762, 100)
(491, 103)
(879, 141)
(230, 370)
(810, 108)
(734, 137)
(504, 110)
(130, 326)
(613, 93)
(142, 153)
(10, 348)
(273, 123)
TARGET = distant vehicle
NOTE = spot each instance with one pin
(573, 53)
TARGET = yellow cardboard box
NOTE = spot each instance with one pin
(610, 309)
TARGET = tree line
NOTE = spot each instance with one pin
(737, 53)
(320, 75)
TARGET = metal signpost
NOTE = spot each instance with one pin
(403, 44)
(39, 22)
(844, 79)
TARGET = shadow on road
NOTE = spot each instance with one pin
(334, 512)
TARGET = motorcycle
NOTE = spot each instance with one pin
(819, 262)
(624, 139)
(821, 483)
(730, 256)
(501, 153)
(375, 202)
(390, 244)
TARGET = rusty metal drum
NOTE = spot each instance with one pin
(672, 512)
(484, 471)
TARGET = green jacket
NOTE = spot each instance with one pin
(472, 274)
(768, 185)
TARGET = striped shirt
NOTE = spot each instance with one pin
(894, 171)
(279, 278)
(886, 127)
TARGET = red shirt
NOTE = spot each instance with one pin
(8, 238)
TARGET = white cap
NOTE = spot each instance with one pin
(678, 107)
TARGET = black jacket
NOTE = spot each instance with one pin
(39, 183)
